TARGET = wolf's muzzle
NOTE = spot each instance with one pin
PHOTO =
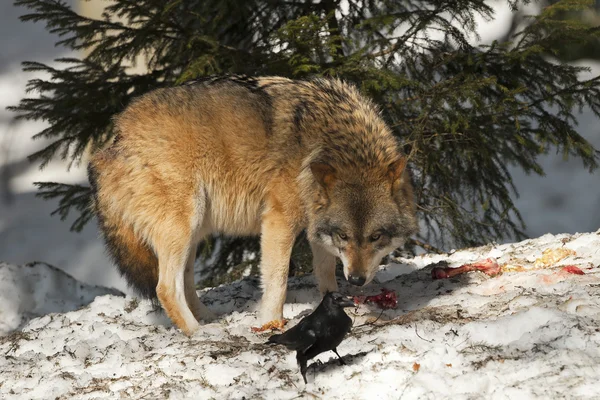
(357, 280)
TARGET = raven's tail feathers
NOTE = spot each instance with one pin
(274, 339)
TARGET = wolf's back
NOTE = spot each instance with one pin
(134, 259)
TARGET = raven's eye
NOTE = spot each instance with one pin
(342, 235)
(375, 237)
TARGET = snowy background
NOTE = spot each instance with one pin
(27, 231)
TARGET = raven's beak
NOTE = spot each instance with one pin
(347, 302)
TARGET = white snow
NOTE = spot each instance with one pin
(528, 334)
(532, 334)
(37, 289)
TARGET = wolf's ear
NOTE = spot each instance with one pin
(396, 171)
(323, 173)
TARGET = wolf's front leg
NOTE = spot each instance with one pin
(277, 239)
(324, 268)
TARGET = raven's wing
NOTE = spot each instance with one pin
(298, 338)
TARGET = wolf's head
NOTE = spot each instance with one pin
(361, 215)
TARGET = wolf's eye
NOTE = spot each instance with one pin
(342, 235)
(375, 237)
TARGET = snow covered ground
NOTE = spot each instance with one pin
(531, 332)
(36, 289)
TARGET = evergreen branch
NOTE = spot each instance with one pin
(71, 196)
(466, 112)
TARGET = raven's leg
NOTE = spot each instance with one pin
(302, 363)
(342, 362)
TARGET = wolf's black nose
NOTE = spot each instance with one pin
(356, 280)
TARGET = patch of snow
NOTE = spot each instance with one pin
(37, 289)
(531, 333)
(28, 233)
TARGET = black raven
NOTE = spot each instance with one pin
(322, 330)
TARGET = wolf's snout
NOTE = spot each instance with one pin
(357, 280)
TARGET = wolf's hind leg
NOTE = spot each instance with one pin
(200, 311)
(172, 262)
(324, 268)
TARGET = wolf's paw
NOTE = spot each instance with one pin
(269, 312)
(277, 324)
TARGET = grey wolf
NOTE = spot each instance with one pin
(264, 156)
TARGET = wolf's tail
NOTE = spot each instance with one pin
(134, 258)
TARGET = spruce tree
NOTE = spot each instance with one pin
(464, 112)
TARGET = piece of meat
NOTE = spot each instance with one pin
(550, 257)
(571, 269)
(385, 300)
(271, 325)
(489, 266)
